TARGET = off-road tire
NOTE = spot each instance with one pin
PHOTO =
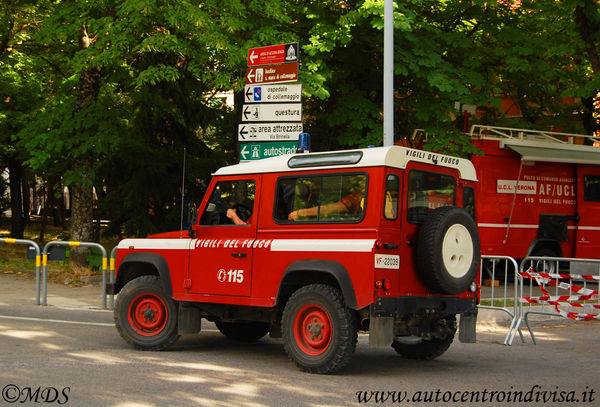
(245, 331)
(144, 316)
(448, 250)
(319, 331)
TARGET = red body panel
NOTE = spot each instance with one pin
(508, 222)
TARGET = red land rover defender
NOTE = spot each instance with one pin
(313, 248)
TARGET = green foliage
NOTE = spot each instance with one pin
(158, 67)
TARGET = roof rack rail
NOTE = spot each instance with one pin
(502, 133)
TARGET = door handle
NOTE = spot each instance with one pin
(238, 254)
(390, 246)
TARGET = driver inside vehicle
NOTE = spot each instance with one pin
(230, 203)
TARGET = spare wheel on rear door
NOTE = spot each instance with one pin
(448, 250)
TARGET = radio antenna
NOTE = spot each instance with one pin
(182, 194)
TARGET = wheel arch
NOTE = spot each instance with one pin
(140, 264)
(541, 244)
(304, 272)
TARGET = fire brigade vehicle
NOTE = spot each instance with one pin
(538, 193)
(312, 248)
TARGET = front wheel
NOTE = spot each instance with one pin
(145, 316)
(319, 331)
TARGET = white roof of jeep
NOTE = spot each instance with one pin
(394, 156)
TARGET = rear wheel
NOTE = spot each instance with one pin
(145, 316)
(246, 331)
(427, 349)
(319, 331)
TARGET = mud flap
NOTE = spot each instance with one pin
(381, 331)
(468, 327)
(189, 320)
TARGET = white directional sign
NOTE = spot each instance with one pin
(272, 112)
(273, 93)
(269, 131)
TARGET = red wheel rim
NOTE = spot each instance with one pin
(312, 329)
(148, 314)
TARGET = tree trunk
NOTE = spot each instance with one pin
(82, 214)
(26, 196)
(17, 226)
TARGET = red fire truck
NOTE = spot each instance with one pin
(538, 193)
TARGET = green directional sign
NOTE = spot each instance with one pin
(258, 151)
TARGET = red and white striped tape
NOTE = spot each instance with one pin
(551, 279)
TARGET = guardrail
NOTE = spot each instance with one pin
(72, 244)
(545, 289)
(41, 266)
(498, 268)
(36, 247)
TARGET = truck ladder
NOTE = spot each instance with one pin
(502, 133)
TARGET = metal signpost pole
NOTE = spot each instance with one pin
(388, 74)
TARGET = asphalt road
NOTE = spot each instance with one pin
(75, 357)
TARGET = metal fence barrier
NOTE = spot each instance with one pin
(72, 244)
(502, 298)
(41, 266)
(36, 247)
(559, 287)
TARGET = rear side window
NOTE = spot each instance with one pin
(591, 188)
(427, 191)
(469, 201)
(326, 198)
(392, 193)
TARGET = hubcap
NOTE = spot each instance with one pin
(148, 314)
(312, 329)
(457, 250)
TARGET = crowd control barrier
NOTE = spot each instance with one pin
(502, 298)
(36, 247)
(71, 244)
(559, 287)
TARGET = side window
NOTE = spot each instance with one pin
(427, 191)
(392, 193)
(469, 201)
(591, 188)
(327, 198)
(231, 202)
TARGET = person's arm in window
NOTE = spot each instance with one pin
(232, 214)
(350, 202)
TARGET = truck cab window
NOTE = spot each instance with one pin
(231, 203)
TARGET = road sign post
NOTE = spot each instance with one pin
(273, 54)
(269, 131)
(272, 74)
(272, 110)
(258, 151)
(283, 92)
